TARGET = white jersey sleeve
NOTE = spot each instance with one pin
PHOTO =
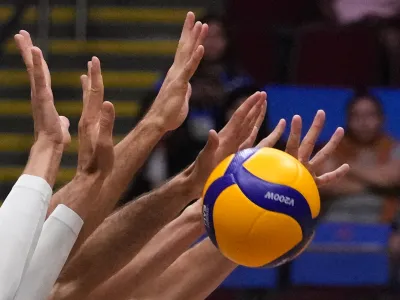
(58, 236)
(21, 219)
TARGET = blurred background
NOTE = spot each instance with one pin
(342, 56)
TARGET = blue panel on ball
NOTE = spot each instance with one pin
(291, 254)
(212, 194)
(275, 197)
(239, 159)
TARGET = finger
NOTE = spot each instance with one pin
(263, 110)
(240, 114)
(212, 143)
(64, 121)
(330, 177)
(106, 123)
(207, 155)
(192, 65)
(89, 74)
(190, 46)
(84, 84)
(309, 141)
(96, 89)
(202, 36)
(249, 142)
(293, 143)
(328, 149)
(27, 37)
(274, 136)
(187, 26)
(25, 52)
(38, 72)
(245, 138)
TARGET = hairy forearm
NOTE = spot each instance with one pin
(194, 275)
(44, 161)
(122, 235)
(155, 257)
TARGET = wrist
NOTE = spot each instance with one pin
(155, 120)
(86, 188)
(44, 160)
(190, 184)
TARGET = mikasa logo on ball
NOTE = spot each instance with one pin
(280, 198)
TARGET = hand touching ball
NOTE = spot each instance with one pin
(260, 207)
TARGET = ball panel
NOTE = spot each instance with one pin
(239, 159)
(275, 197)
(247, 242)
(306, 185)
(284, 166)
(218, 172)
(287, 171)
(293, 253)
(209, 199)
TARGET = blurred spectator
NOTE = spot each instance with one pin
(381, 14)
(375, 159)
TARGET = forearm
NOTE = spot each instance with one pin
(55, 243)
(118, 237)
(21, 216)
(81, 196)
(156, 256)
(44, 161)
(194, 275)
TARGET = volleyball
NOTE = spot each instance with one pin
(260, 207)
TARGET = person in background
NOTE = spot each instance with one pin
(381, 14)
(374, 156)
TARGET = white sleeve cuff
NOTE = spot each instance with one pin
(68, 217)
(35, 183)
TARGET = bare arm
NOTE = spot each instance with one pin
(194, 275)
(168, 112)
(200, 270)
(125, 232)
(135, 223)
(158, 254)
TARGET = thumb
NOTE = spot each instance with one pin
(64, 122)
(189, 92)
(207, 155)
(103, 158)
(106, 123)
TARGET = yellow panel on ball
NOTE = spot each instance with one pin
(284, 169)
(250, 235)
(218, 172)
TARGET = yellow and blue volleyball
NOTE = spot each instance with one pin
(260, 207)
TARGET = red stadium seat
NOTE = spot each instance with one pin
(337, 56)
(271, 12)
(256, 51)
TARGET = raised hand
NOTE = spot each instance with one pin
(49, 126)
(96, 149)
(238, 133)
(171, 105)
(302, 150)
